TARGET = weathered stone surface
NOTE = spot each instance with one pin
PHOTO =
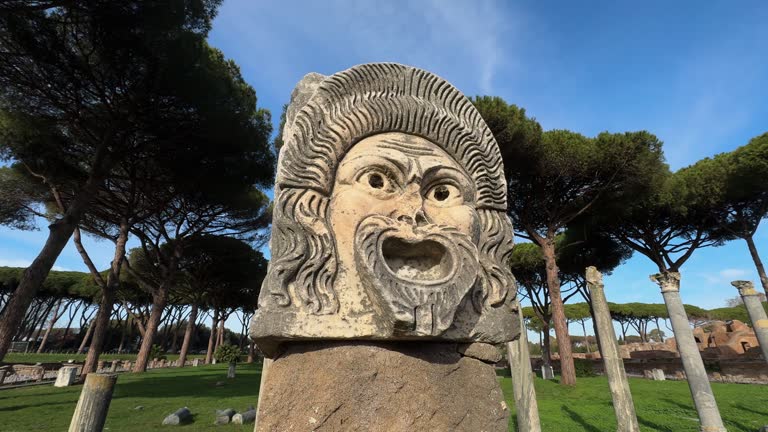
(93, 404)
(327, 386)
(481, 351)
(547, 373)
(181, 416)
(389, 219)
(698, 381)
(66, 376)
(223, 416)
(623, 405)
(658, 375)
(756, 313)
(245, 417)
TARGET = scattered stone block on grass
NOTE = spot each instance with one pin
(224, 416)
(181, 416)
(658, 375)
(246, 417)
(66, 376)
(547, 373)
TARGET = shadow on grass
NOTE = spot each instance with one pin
(185, 385)
(654, 426)
(579, 419)
(679, 404)
(46, 404)
(751, 410)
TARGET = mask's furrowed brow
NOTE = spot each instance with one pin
(365, 160)
(407, 148)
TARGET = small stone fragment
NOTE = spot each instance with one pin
(139, 407)
(481, 351)
(66, 376)
(223, 416)
(182, 415)
(246, 417)
(658, 375)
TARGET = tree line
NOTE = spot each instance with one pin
(119, 120)
(585, 201)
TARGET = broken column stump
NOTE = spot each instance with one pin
(380, 386)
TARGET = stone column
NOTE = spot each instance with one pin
(756, 313)
(522, 382)
(264, 370)
(93, 405)
(698, 381)
(623, 405)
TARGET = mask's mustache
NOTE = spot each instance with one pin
(423, 272)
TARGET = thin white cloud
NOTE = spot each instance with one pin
(7, 262)
(461, 41)
(725, 276)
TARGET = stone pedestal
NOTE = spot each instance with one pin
(402, 386)
(66, 376)
(658, 375)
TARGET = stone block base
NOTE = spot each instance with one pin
(399, 386)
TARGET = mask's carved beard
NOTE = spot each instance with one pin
(421, 274)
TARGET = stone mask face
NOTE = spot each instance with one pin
(389, 216)
(403, 218)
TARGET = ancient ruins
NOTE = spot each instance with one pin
(388, 284)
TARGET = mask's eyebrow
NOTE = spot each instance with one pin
(407, 148)
(459, 174)
(403, 169)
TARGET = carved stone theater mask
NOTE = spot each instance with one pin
(403, 217)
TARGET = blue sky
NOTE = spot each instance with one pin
(696, 77)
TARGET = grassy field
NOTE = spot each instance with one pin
(51, 358)
(661, 405)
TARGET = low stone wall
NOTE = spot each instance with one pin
(744, 371)
(14, 374)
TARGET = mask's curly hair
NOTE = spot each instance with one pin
(327, 116)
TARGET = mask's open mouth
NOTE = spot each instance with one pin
(418, 260)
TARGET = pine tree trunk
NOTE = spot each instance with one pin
(567, 368)
(87, 336)
(212, 337)
(33, 277)
(220, 333)
(159, 300)
(123, 334)
(69, 325)
(54, 318)
(758, 263)
(108, 295)
(546, 346)
(188, 335)
(100, 327)
(586, 338)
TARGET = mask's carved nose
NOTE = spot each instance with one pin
(418, 219)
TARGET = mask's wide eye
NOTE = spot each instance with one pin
(444, 194)
(376, 181)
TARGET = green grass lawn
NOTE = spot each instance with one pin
(51, 358)
(661, 405)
